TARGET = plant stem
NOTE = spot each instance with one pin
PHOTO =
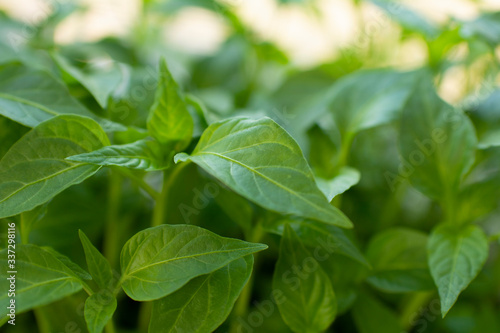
(343, 155)
(25, 232)
(139, 182)
(413, 308)
(145, 316)
(110, 327)
(243, 302)
(111, 241)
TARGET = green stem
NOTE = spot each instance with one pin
(343, 155)
(41, 321)
(169, 176)
(139, 182)
(110, 327)
(242, 304)
(413, 307)
(111, 241)
(25, 232)
(145, 316)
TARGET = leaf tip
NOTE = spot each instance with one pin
(181, 157)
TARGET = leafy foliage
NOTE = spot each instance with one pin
(235, 190)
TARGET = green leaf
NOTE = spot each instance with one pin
(77, 270)
(30, 96)
(370, 315)
(328, 238)
(169, 119)
(486, 119)
(204, 302)
(31, 218)
(368, 99)
(101, 83)
(237, 208)
(98, 266)
(34, 169)
(455, 258)
(399, 260)
(345, 179)
(41, 279)
(485, 27)
(144, 155)
(408, 18)
(437, 144)
(260, 161)
(309, 303)
(158, 261)
(99, 309)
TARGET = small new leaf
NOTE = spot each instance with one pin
(98, 266)
(169, 119)
(99, 309)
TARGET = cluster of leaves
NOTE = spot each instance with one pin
(377, 201)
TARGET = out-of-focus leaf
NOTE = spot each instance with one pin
(486, 119)
(30, 97)
(437, 144)
(371, 315)
(399, 260)
(455, 258)
(346, 178)
(309, 300)
(486, 27)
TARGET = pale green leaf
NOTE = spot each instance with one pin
(346, 178)
(309, 304)
(40, 279)
(204, 302)
(144, 155)
(260, 161)
(99, 309)
(98, 266)
(169, 119)
(437, 144)
(455, 258)
(399, 260)
(30, 96)
(371, 98)
(158, 261)
(34, 169)
(486, 119)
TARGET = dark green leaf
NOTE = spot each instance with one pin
(309, 301)
(99, 309)
(158, 261)
(204, 302)
(35, 170)
(370, 315)
(399, 260)
(145, 155)
(41, 279)
(260, 161)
